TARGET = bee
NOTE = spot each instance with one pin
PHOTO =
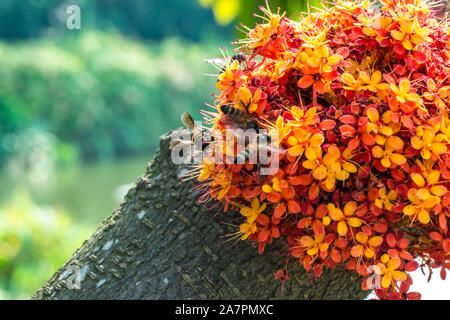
(240, 57)
(245, 154)
(188, 121)
(237, 117)
(263, 141)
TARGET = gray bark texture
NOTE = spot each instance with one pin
(161, 244)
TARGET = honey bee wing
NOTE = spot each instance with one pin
(187, 120)
(219, 62)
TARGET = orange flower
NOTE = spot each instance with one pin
(436, 95)
(388, 155)
(260, 36)
(428, 142)
(366, 246)
(421, 203)
(403, 92)
(304, 117)
(345, 218)
(386, 200)
(207, 168)
(230, 80)
(251, 213)
(302, 140)
(317, 64)
(250, 101)
(372, 83)
(388, 268)
(313, 246)
(221, 184)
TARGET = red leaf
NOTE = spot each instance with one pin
(262, 219)
(435, 236)
(263, 235)
(275, 232)
(293, 206)
(304, 222)
(327, 124)
(411, 266)
(420, 56)
(414, 296)
(318, 227)
(348, 119)
(446, 245)
(390, 240)
(403, 243)
(348, 131)
(353, 144)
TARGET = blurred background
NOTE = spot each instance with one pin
(81, 112)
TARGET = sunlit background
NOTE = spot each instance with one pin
(81, 112)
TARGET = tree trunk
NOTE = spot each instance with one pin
(161, 244)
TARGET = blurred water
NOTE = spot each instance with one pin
(88, 192)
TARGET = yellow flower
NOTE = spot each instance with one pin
(373, 83)
(436, 95)
(388, 155)
(252, 212)
(313, 246)
(302, 140)
(420, 34)
(221, 184)
(351, 83)
(386, 200)
(365, 246)
(388, 268)
(334, 165)
(421, 202)
(304, 117)
(402, 35)
(428, 142)
(247, 229)
(249, 100)
(429, 185)
(402, 92)
(280, 131)
(208, 168)
(344, 218)
(376, 126)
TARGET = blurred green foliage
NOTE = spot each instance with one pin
(226, 11)
(155, 19)
(34, 242)
(102, 93)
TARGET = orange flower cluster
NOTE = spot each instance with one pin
(358, 95)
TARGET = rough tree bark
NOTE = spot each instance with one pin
(160, 244)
